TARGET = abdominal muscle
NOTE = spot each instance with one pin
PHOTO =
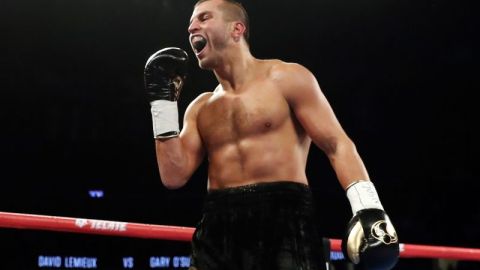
(268, 157)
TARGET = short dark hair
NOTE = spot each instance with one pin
(233, 10)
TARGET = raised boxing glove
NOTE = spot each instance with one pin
(164, 75)
(371, 239)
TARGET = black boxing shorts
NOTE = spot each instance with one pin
(258, 227)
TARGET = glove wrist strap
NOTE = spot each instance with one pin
(164, 119)
(362, 195)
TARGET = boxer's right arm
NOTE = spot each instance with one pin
(178, 153)
(179, 157)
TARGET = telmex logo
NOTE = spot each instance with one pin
(101, 224)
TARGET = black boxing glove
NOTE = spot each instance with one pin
(371, 238)
(165, 73)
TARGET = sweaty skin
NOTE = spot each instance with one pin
(258, 123)
(251, 134)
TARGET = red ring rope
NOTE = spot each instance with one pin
(139, 230)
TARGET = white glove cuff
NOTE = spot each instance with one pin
(164, 118)
(362, 195)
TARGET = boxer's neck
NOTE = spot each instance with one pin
(236, 68)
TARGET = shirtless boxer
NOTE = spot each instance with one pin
(256, 129)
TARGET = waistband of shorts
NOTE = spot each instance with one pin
(258, 192)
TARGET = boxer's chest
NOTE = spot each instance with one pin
(230, 117)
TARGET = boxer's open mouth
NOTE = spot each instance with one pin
(198, 43)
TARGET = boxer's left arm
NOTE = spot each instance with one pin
(316, 116)
(371, 238)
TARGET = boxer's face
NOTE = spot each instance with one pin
(208, 33)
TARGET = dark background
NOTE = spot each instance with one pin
(400, 75)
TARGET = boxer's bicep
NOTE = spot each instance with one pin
(313, 110)
(190, 136)
(179, 157)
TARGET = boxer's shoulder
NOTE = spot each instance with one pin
(283, 72)
(199, 102)
(290, 78)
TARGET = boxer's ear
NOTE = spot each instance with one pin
(238, 30)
